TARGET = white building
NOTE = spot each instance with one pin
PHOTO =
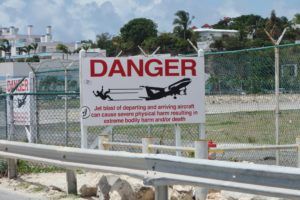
(208, 35)
(45, 42)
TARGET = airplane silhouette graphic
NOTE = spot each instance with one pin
(177, 88)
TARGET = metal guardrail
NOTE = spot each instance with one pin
(164, 170)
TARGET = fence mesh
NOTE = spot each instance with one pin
(240, 104)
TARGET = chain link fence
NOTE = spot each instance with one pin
(240, 104)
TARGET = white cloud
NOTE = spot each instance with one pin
(227, 9)
(84, 19)
(282, 8)
(15, 4)
(73, 21)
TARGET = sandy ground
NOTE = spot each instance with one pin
(45, 186)
(48, 185)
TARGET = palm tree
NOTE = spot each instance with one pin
(26, 49)
(5, 46)
(296, 19)
(63, 49)
(182, 22)
(34, 47)
(77, 50)
(2, 48)
(85, 46)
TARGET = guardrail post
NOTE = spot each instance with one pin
(71, 182)
(12, 168)
(145, 143)
(161, 192)
(298, 143)
(201, 151)
(101, 142)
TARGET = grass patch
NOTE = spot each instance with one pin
(23, 185)
(239, 127)
(38, 188)
(25, 167)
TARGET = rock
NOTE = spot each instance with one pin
(104, 186)
(121, 190)
(87, 191)
(227, 195)
(180, 192)
(52, 187)
(141, 192)
(214, 195)
(144, 193)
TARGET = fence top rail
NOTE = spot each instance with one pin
(262, 147)
(251, 49)
(243, 50)
(56, 70)
(173, 148)
(191, 149)
(138, 145)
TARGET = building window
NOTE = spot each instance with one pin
(43, 49)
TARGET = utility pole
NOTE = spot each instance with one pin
(276, 43)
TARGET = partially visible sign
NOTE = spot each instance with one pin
(142, 90)
(21, 103)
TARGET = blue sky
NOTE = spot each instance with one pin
(74, 20)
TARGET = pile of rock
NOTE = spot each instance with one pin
(113, 187)
(118, 188)
(126, 188)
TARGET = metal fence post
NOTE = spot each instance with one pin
(6, 117)
(298, 151)
(12, 168)
(10, 114)
(276, 51)
(33, 110)
(101, 140)
(178, 143)
(145, 143)
(11, 135)
(66, 108)
(83, 129)
(37, 108)
(201, 151)
(71, 182)
(277, 102)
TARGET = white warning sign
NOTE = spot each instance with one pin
(21, 103)
(142, 90)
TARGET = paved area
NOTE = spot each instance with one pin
(7, 194)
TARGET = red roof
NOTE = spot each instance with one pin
(206, 26)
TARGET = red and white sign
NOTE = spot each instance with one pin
(142, 90)
(21, 103)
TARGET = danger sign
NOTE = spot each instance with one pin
(142, 90)
(21, 103)
(12, 83)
